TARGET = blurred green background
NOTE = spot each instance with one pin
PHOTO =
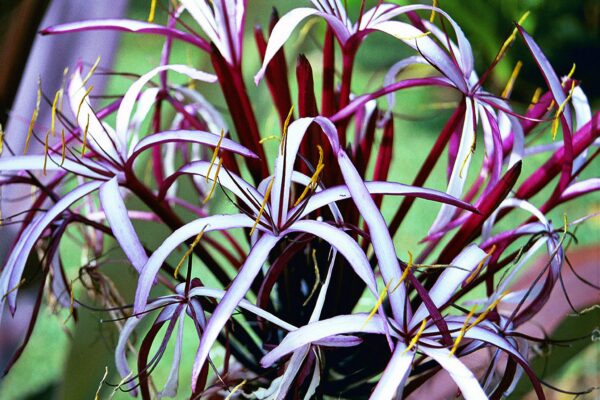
(57, 365)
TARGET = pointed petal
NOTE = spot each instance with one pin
(394, 375)
(237, 290)
(149, 271)
(36, 163)
(451, 279)
(126, 25)
(13, 269)
(116, 214)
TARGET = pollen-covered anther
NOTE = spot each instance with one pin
(560, 110)
(46, 150)
(34, 116)
(405, 273)
(312, 185)
(417, 336)
(85, 133)
(512, 37)
(511, 81)
(262, 206)
(476, 271)
(189, 251)
(286, 124)
(378, 304)
(215, 180)
(215, 153)
(463, 330)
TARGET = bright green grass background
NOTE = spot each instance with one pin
(55, 366)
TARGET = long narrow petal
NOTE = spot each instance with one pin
(237, 290)
(149, 271)
(126, 25)
(185, 136)
(464, 378)
(13, 269)
(170, 388)
(339, 325)
(394, 375)
(116, 214)
(129, 100)
(36, 163)
(452, 277)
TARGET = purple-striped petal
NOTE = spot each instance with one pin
(394, 375)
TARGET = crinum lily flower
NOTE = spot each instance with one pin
(269, 213)
(420, 334)
(105, 161)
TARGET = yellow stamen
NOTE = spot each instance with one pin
(415, 339)
(189, 251)
(432, 17)
(488, 310)
(469, 154)
(34, 116)
(406, 38)
(286, 124)
(53, 120)
(511, 81)
(406, 271)
(1, 139)
(317, 278)
(63, 153)
(569, 75)
(85, 132)
(152, 11)
(214, 185)
(511, 38)
(463, 330)
(262, 206)
(266, 139)
(476, 271)
(91, 72)
(215, 153)
(535, 98)
(314, 178)
(378, 304)
(46, 149)
(235, 389)
(85, 95)
(560, 110)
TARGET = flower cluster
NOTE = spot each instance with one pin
(318, 206)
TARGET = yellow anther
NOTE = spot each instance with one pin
(378, 304)
(215, 153)
(535, 98)
(46, 149)
(415, 339)
(152, 11)
(317, 278)
(511, 81)
(481, 264)
(468, 156)
(266, 139)
(487, 310)
(560, 110)
(262, 206)
(85, 95)
(432, 17)
(189, 251)
(34, 116)
(53, 120)
(235, 389)
(215, 180)
(406, 271)
(286, 124)
(512, 37)
(313, 179)
(91, 72)
(85, 132)
(63, 152)
(1, 139)
(463, 330)
(406, 38)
